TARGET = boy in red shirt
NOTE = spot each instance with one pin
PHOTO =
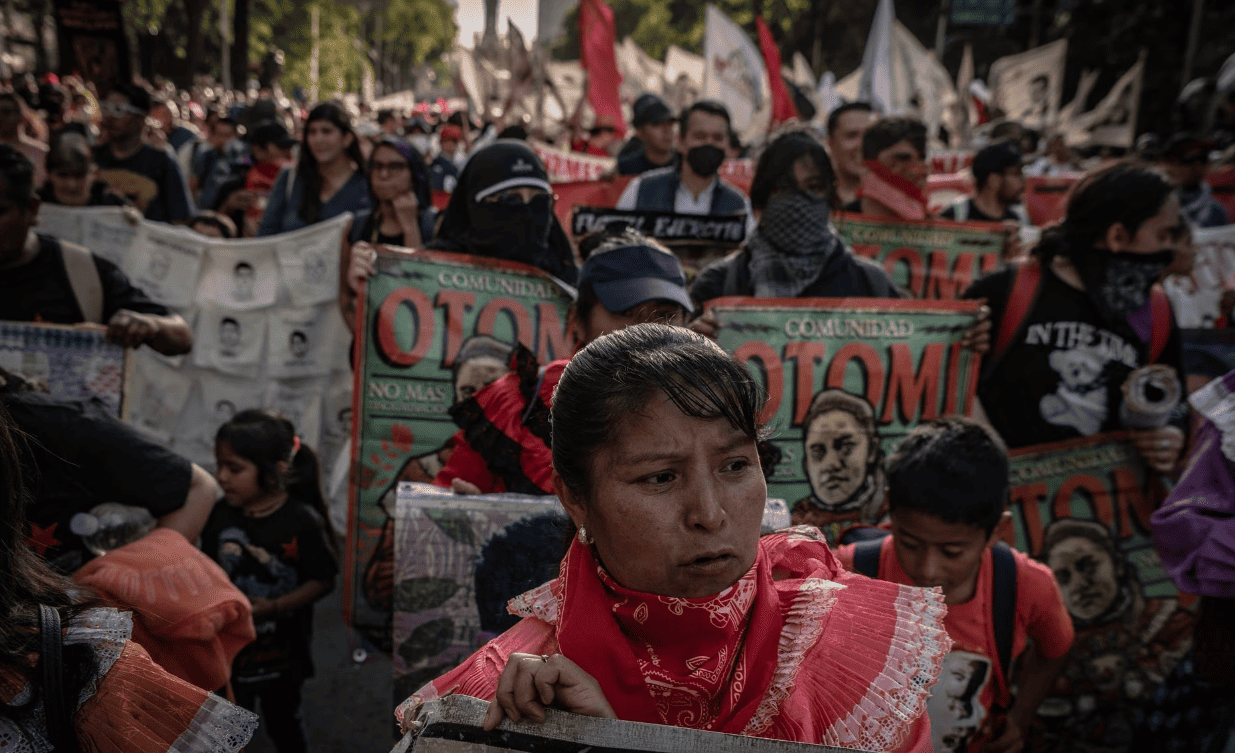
(947, 495)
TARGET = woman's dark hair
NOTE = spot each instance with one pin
(17, 172)
(1128, 192)
(616, 374)
(28, 581)
(69, 151)
(220, 222)
(310, 208)
(775, 168)
(265, 439)
(953, 469)
(415, 163)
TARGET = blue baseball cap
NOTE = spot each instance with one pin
(627, 276)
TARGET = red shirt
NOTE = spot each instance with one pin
(972, 681)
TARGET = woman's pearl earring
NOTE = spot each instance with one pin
(583, 537)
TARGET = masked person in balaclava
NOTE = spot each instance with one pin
(693, 186)
(503, 209)
(1086, 316)
(794, 251)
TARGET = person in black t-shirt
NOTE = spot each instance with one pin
(271, 540)
(41, 278)
(1091, 323)
(85, 456)
(147, 176)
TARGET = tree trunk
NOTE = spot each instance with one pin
(194, 10)
(240, 44)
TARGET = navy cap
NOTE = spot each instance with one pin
(650, 109)
(271, 132)
(627, 276)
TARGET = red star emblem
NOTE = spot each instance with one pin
(43, 539)
(292, 550)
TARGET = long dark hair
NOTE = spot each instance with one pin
(28, 581)
(775, 168)
(310, 209)
(616, 374)
(267, 439)
(1128, 192)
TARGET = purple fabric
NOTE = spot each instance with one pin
(1194, 530)
(1142, 321)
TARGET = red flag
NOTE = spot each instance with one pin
(597, 37)
(782, 104)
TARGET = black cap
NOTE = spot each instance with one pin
(627, 276)
(271, 132)
(650, 109)
(995, 159)
(503, 164)
(1187, 147)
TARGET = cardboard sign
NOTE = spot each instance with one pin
(664, 226)
(434, 327)
(1082, 507)
(861, 370)
(1196, 299)
(454, 724)
(72, 363)
(563, 165)
(932, 259)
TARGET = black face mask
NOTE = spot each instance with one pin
(515, 231)
(705, 159)
(1122, 285)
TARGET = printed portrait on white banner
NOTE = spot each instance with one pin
(165, 262)
(1029, 86)
(301, 403)
(160, 395)
(303, 342)
(309, 263)
(230, 341)
(222, 399)
(108, 234)
(242, 276)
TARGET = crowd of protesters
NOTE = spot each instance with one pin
(645, 375)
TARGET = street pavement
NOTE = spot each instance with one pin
(348, 707)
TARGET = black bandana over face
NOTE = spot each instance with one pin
(1120, 283)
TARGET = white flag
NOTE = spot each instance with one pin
(927, 85)
(683, 76)
(734, 73)
(640, 73)
(877, 85)
(1068, 112)
(803, 76)
(1113, 121)
(829, 96)
(1028, 86)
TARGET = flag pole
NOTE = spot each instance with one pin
(225, 44)
(941, 30)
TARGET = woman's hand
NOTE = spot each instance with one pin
(978, 338)
(1159, 447)
(407, 211)
(361, 267)
(131, 329)
(459, 486)
(530, 683)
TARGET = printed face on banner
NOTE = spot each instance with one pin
(239, 275)
(955, 707)
(222, 399)
(846, 379)
(931, 259)
(161, 394)
(108, 234)
(303, 342)
(1082, 508)
(165, 262)
(437, 329)
(310, 267)
(300, 403)
(230, 341)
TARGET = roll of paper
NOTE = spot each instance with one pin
(1150, 394)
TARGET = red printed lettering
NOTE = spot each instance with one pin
(773, 373)
(916, 388)
(388, 346)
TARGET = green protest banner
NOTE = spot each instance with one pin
(932, 259)
(846, 379)
(1082, 507)
(433, 328)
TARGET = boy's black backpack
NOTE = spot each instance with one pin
(1003, 588)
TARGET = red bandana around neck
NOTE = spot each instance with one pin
(699, 663)
(896, 193)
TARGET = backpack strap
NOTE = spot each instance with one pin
(866, 557)
(1022, 295)
(84, 280)
(1160, 316)
(55, 705)
(1003, 602)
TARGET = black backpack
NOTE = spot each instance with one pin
(1003, 589)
